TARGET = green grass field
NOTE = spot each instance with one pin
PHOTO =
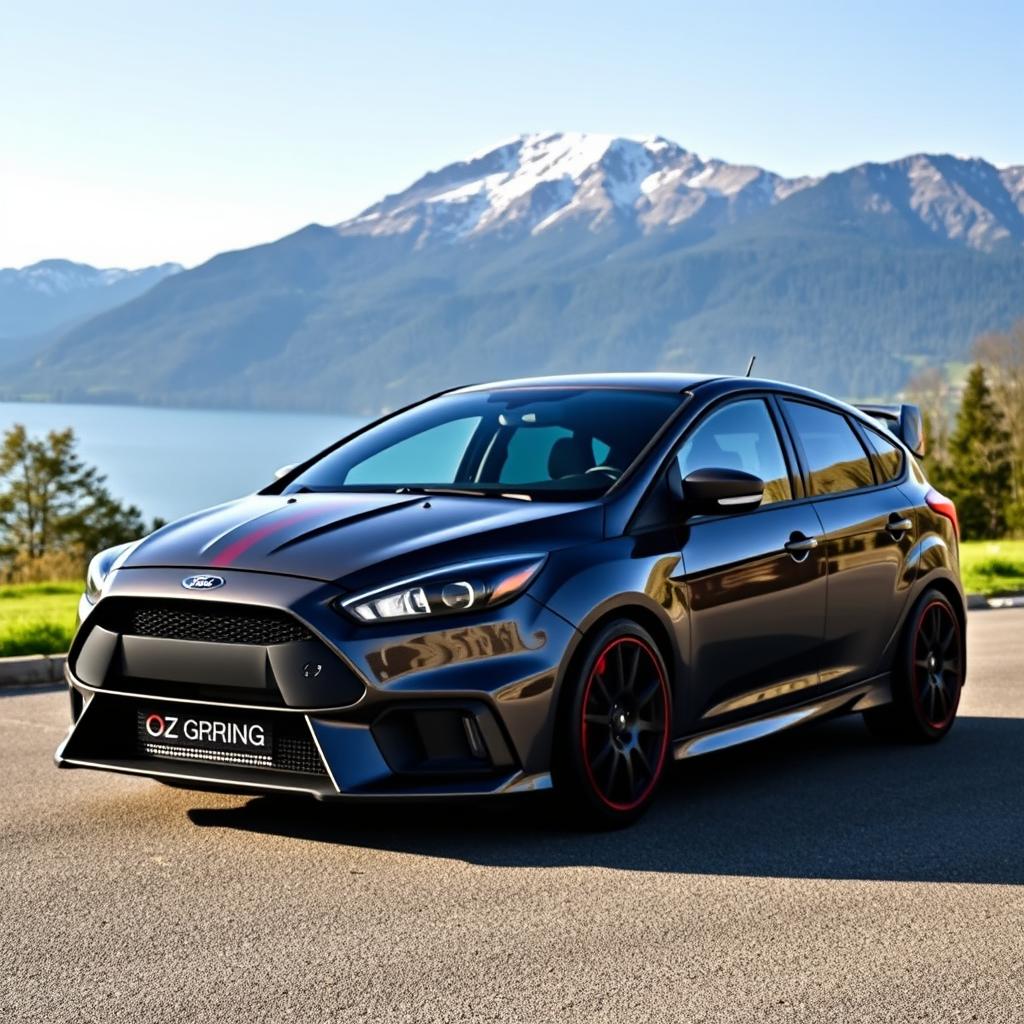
(992, 567)
(37, 618)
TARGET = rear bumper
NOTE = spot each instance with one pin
(465, 709)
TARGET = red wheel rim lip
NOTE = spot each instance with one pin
(914, 689)
(656, 774)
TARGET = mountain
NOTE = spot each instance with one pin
(540, 182)
(561, 252)
(51, 295)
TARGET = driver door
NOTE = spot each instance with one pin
(754, 581)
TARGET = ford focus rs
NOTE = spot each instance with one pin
(546, 583)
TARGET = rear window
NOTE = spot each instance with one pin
(888, 456)
(836, 459)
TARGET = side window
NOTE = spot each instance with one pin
(740, 435)
(432, 456)
(836, 459)
(889, 456)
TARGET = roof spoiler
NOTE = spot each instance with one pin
(902, 421)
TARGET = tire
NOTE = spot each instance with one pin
(927, 677)
(614, 730)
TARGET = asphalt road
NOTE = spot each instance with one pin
(816, 877)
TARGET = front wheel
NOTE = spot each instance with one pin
(928, 676)
(614, 731)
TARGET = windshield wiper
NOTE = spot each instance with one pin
(461, 492)
(441, 490)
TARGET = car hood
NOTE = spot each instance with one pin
(347, 537)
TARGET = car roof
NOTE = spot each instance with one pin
(670, 382)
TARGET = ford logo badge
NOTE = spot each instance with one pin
(202, 582)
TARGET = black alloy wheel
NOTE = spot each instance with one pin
(928, 677)
(618, 727)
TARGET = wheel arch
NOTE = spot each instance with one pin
(938, 579)
(650, 621)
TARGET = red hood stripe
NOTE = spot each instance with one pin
(237, 548)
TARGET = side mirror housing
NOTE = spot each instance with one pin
(717, 491)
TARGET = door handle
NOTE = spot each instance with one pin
(898, 525)
(800, 546)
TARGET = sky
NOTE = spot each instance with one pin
(133, 134)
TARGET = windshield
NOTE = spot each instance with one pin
(553, 443)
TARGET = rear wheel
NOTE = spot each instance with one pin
(615, 728)
(928, 676)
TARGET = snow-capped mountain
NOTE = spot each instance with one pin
(565, 252)
(37, 298)
(536, 182)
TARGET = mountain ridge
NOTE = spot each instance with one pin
(45, 297)
(560, 251)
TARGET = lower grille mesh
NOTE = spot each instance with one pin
(297, 755)
(218, 756)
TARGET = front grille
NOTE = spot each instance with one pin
(256, 626)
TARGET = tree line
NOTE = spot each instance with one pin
(975, 440)
(56, 511)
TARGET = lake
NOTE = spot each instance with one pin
(173, 461)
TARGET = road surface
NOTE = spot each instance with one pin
(820, 876)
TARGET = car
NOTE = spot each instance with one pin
(555, 583)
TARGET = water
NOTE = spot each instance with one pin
(173, 461)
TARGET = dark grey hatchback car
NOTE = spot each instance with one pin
(542, 583)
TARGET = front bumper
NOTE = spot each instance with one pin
(460, 706)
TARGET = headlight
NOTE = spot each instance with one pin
(458, 588)
(101, 567)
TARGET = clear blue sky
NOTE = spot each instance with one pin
(132, 133)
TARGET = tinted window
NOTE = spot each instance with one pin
(740, 435)
(545, 442)
(889, 455)
(836, 459)
(433, 454)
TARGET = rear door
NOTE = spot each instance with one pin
(852, 474)
(754, 581)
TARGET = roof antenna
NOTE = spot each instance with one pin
(750, 365)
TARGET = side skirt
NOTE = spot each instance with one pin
(858, 697)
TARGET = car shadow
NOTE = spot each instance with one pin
(827, 801)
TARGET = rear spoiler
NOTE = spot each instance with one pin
(902, 421)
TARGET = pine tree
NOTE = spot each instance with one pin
(979, 477)
(1002, 355)
(53, 504)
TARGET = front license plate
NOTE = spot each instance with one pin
(198, 733)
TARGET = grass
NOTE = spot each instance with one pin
(992, 567)
(37, 618)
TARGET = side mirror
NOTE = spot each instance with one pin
(284, 470)
(716, 491)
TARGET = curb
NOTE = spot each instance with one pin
(978, 601)
(32, 670)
